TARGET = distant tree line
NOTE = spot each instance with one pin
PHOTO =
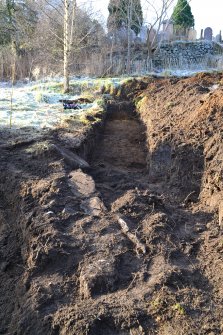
(48, 37)
(33, 34)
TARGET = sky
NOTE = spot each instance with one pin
(207, 13)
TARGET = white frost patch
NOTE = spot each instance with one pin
(181, 73)
(32, 108)
(37, 104)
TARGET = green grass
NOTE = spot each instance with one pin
(50, 87)
(179, 309)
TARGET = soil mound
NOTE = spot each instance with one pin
(116, 228)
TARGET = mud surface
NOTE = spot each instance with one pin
(121, 161)
(115, 228)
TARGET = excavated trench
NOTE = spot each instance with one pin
(118, 165)
(100, 250)
(119, 160)
(163, 254)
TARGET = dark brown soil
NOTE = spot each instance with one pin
(121, 161)
(113, 228)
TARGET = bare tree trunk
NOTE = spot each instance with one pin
(66, 46)
(128, 67)
(111, 54)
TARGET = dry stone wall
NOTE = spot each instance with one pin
(175, 53)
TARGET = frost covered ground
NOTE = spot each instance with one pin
(37, 104)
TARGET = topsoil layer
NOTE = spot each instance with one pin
(115, 228)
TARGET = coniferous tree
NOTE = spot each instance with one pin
(119, 14)
(182, 15)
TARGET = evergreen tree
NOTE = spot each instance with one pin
(119, 14)
(182, 15)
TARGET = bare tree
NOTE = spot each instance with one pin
(129, 36)
(68, 34)
(158, 14)
(73, 29)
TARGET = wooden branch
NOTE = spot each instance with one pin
(188, 197)
(140, 247)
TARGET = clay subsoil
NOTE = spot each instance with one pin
(115, 228)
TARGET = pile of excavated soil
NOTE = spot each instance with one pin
(113, 228)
